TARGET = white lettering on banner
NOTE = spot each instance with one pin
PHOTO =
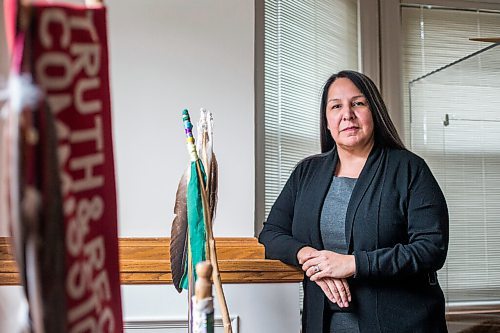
(87, 165)
(54, 60)
(71, 77)
(64, 152)
(86, 325)
(107, 317)
(54, 17)
(78, 227)
(81, 279)
(100, 292)
(94, 134)
(87, 106)
(88, 58)
(86, 24)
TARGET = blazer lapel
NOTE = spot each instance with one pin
(321, 184)
(366, 177)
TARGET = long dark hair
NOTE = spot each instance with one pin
(385, 131)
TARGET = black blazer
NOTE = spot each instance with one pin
(396, 227)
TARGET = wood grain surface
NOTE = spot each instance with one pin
(147, 261)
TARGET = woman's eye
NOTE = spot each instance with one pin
(336, 106)
(359, 103)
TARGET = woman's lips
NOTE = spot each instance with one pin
(350, 128)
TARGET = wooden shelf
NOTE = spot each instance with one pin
(147, 261)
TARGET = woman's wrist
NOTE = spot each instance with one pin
(352, 265)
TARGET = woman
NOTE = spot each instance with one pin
(365, 220)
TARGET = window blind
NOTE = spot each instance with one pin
(304, 43)
(454, 124)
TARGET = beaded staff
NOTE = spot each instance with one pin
(188, 128)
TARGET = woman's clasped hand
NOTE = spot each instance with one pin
(329, 270)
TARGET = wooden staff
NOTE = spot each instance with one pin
(213, 254)
(209, 237)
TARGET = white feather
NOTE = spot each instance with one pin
(204, 127)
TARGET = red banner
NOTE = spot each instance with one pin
(70, 63)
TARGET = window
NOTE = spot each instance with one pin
(453, 122)
(304, 43)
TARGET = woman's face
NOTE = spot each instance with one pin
(348, 116)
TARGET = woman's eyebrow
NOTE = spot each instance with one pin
(338, 99)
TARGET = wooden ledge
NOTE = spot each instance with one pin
(147, 261)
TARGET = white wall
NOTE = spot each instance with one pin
(262, 308)
(167, 56)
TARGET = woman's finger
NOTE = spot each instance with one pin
(313, 271)
(342, 292)
(310, 262)
(326, 289)
(330, 286)
(334, 290)
(317, 274)
(309, 256)
(348, 290)
(303, 254)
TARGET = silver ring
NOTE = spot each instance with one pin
(316, 268)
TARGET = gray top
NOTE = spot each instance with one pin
(332, 226)
(332, 222)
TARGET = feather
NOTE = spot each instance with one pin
(205, 137)
(212, 183)
(178, 234)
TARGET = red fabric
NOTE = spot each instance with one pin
(9, 7)
(70, 63)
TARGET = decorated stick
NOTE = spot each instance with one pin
(206, 154)
(188, 128)
(208, 222)
(213, 259)
(190, 273)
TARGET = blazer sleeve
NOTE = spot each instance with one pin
(276, 235)
(428, 234)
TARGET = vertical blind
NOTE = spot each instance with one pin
(304, 43)
(453, 116)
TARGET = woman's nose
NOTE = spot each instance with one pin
(348, 114)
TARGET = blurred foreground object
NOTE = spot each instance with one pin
(203, 302)
(60, 197)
